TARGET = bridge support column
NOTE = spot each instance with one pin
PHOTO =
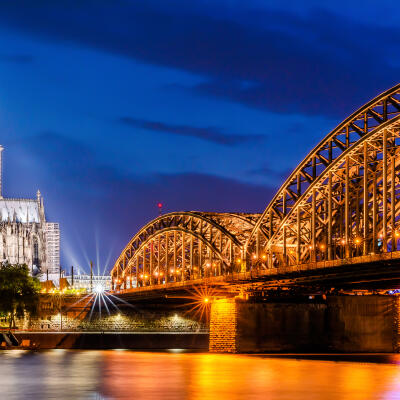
(223, 324)
(396, 324)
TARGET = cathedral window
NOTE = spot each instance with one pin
(35, 252)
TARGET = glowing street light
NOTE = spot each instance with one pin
(99, 289)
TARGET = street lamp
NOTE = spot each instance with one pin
(99, 289)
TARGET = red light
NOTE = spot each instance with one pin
(159, 205)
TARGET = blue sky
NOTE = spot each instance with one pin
(112, 106)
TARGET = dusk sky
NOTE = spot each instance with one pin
(110, 107)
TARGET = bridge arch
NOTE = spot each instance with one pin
(183, 246)
(352, 209)
(273, 232)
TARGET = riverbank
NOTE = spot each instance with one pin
(117, 340)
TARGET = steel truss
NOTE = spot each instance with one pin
(328, 207)
(183, 246)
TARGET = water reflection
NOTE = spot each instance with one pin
(136, 375)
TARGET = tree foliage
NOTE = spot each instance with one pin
(19, 292)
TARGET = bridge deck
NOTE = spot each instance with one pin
(375, 270)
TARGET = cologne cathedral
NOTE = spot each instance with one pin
(25, 235)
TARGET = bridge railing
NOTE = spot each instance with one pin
(333, 263)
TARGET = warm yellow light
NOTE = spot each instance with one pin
(141, 275)
(263, 256)
(238, 260)
(322, 247)
(146, 276)
(156, 273)
(357, 240)
(254, 257)
(397, 234)
(214, 265)
(310, 247)
(343, 242)
(206, 300)
(172, 271)
(208, 265)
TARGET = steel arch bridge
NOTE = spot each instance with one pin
(183, 246)
(341, 203)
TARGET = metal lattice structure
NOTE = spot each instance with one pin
(336, 200)
(183, 246)
(342, 201)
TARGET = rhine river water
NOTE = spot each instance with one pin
(64, 374)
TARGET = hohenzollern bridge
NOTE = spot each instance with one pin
(335, 222)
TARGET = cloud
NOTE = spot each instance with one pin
(210, 134)
(284, 62)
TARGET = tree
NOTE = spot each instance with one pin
(19, 292)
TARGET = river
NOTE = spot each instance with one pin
(69, 374)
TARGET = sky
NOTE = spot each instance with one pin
(109, 107)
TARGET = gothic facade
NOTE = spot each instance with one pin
(24, 233)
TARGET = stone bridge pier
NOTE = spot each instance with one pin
(336, 323)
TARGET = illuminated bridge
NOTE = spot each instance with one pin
(334, 221)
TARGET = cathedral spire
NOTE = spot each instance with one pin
(1, 171)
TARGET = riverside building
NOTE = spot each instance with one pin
(25, 235)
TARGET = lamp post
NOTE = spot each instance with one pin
(91, 277)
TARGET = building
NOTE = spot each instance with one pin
(25, 235)
(97, 283)
(53, 247)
